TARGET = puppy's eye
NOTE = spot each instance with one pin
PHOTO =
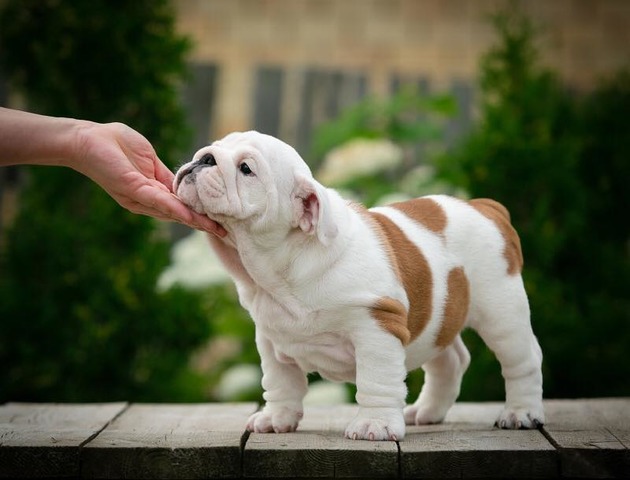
(245, 170)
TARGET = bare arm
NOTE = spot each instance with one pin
(113, 155)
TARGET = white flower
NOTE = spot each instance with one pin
(359, 157)
(194, 264)
(237, 381)
(326, 393)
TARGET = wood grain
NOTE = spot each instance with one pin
(592, 436)
(44, 440)
(467, 445)
(582, 438)
(318, 449)
(170, 441)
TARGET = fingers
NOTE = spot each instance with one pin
(156, 202)
(201, 222)
(196, 221)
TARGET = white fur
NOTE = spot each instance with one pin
(308, 268)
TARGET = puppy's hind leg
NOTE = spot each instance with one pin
(504, 325)
(442, 381)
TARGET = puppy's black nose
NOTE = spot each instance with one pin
(189, 174)
(207, 159)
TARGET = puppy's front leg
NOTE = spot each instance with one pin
(285, 386)
(381, 389)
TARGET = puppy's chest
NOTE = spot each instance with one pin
(329, 354)
(308, 340)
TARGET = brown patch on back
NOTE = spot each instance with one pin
(392, 316)
(414, 272)
(455, 308)
(424, 210)
(501, 217)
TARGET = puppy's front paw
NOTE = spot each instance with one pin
(522, 417)
(274, 419)
(377, 424)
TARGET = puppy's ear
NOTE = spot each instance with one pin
(311, 209)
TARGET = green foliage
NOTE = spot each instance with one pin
(559, 163)
(102, 60)
(527, 132)
(407, 118)
(81, 317)
(231, 323)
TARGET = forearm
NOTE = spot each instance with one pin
(28, 138)
(113, 155)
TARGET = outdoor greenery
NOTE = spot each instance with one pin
(558, 161)
(81, 317)
(412, 121)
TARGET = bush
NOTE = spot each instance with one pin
(558, 161)
(81, 317)
(406, 121)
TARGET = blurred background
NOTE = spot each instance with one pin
(525, 102)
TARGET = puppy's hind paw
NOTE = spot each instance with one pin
(521, 418)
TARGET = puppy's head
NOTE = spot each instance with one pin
(258, 181)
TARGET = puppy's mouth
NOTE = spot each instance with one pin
(188, 175)
(186, 188)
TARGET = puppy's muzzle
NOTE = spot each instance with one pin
(189, 174)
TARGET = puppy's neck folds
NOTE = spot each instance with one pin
(278, 259)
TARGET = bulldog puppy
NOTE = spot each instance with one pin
(361, 295)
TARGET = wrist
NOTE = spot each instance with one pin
(66, 139)
(75, 143)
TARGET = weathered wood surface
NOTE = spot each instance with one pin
(318, 450)
(592, 436)
(581, 439)
(41, 440)
(170, 441)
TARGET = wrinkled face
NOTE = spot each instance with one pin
(243, 177)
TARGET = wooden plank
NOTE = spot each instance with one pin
(170, 441)
(467, 445)
(583, 438)
(593, 436)
(318, 449)
(44, 440)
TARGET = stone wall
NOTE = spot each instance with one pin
(437, 42)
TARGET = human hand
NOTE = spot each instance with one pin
(126, 166)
